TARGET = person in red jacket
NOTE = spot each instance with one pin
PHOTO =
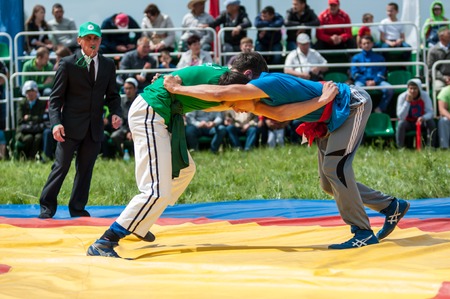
(334, 38)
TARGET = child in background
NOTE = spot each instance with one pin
(165, 60)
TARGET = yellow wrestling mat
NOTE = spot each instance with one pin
(224, 260)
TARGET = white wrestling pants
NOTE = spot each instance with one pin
(153, 158)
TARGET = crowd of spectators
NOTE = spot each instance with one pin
(301, 52)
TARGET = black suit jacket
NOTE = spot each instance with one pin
(77, 103)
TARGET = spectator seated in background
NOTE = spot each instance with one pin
(236, 17)
(61, 52)
(367, 18)
(239, 125)
(440, 52)
(119, 42)
(392, 35)
(139, 59)
(334, 38)
(275, 131)
(121, 137)
(371, 75)
(159, 39)
(165, 60)
(269, 40)
(107, 151)
(195, 55)
(197, 18)
(201, 123)
(48, 142)
(36, 22)
(414, 106)
(437, 14)
(297, 62)
(2, 145)
(299, 15)
(59, 23)
(30, 122)
(40, 63)
(246, 46)
(3, 70)
(444, 119)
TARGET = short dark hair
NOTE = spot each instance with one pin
(366, 16)
(250, 61)
(63, 52)
(56, 6)
(368, 37)
(231, 77)
(395, 5)
(192, 39)
(152, 10)
(269, 10)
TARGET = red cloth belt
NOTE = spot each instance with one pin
(316, 129)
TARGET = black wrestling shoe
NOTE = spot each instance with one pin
(149, 237)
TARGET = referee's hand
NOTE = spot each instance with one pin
(58, 133)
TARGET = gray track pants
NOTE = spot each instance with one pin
(336, 153)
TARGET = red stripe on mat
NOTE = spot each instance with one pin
(430, 225)
(444, 291)
(4, 268)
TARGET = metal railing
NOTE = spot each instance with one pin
(424, 40)
(10, 51)
(10, 99)
(433, 78)
(19, 57)
(221, 32)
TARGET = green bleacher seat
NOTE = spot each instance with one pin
(379, 125)
(4, 50)
(399, 77)
(336, 77)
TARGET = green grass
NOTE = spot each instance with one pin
(280, 173)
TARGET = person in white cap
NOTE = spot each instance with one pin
(298, 61)
(197, 18)
(85, 82)
(30, 122)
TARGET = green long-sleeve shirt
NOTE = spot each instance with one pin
(30, 66)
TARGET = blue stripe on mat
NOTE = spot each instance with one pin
(244, 209)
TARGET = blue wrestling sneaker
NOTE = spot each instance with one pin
(394, 212)
(103, 248)
(363, 237)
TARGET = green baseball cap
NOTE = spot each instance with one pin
(89, 28)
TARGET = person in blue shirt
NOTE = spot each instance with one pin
(371, 75)
(269, 40)
(334, 113)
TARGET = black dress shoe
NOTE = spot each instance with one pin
(45, 216)
(149, 237)
(46, 213)
(83, 213)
